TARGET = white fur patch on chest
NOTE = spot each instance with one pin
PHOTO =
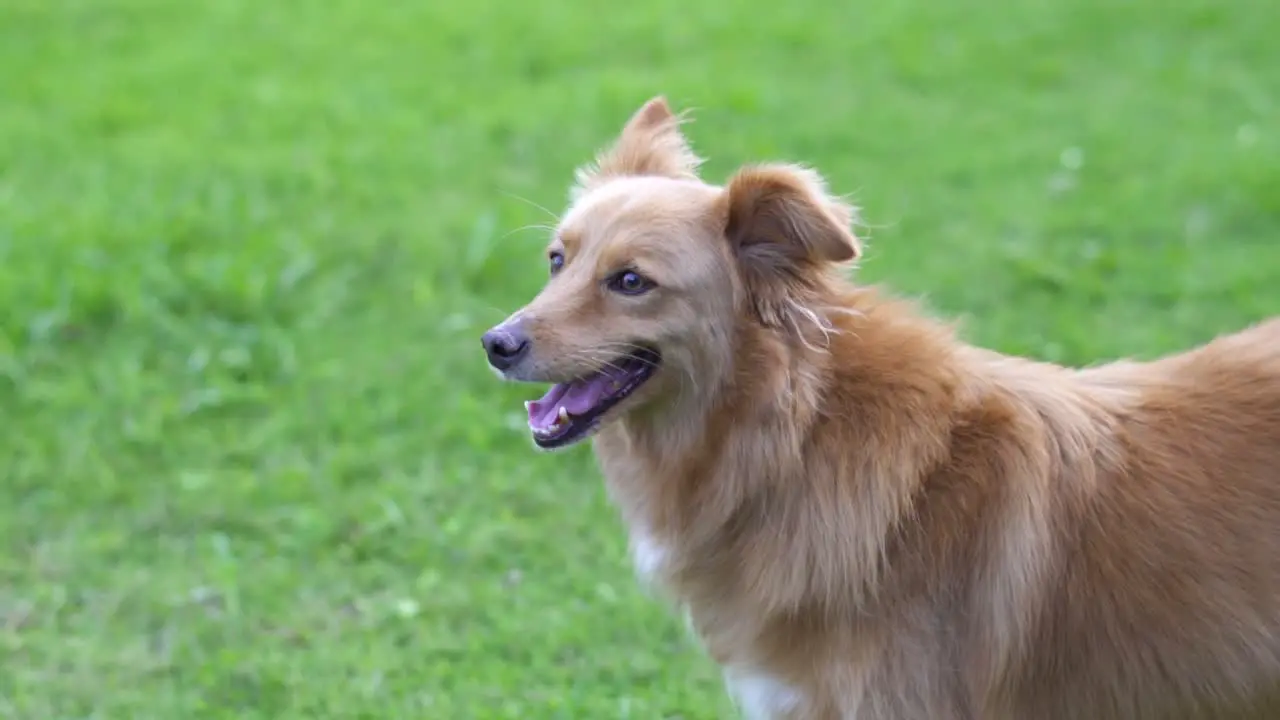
(648, 554)
(760, 696)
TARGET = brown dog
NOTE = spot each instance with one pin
(862, 516)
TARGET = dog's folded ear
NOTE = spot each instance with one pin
(787, 232)
(782, 215)
(650, 144)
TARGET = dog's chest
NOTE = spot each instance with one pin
(649, 554)
(760, 696)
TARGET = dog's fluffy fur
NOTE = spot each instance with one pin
(864, 517)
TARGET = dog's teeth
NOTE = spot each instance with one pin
(563, 417)
(527, 404)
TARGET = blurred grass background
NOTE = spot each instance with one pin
(254, 466)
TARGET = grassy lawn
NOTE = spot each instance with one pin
(254, 466)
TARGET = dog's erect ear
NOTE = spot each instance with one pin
(650, 144)
(785, 230)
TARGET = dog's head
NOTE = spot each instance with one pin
(653, 273)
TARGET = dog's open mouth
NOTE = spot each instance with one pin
(570, 411)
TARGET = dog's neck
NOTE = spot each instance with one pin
(745, 448)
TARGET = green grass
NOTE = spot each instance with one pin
(254, 466)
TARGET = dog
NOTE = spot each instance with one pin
(864, 517)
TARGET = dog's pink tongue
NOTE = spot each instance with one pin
(577, 397)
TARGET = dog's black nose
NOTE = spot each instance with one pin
(505, 346)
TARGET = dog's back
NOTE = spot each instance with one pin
(1168, 592)
(1096, 544)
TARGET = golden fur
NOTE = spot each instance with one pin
(864, 517)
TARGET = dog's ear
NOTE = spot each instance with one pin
(782, 215)
(786, 231)
(650, 144)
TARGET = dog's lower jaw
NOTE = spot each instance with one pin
(592, 430)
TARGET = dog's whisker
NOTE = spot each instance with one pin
(607, 354)
(592, 358)
(514, 196)
(532, 226)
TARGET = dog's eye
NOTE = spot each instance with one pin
(556, 259)
(630, 282)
